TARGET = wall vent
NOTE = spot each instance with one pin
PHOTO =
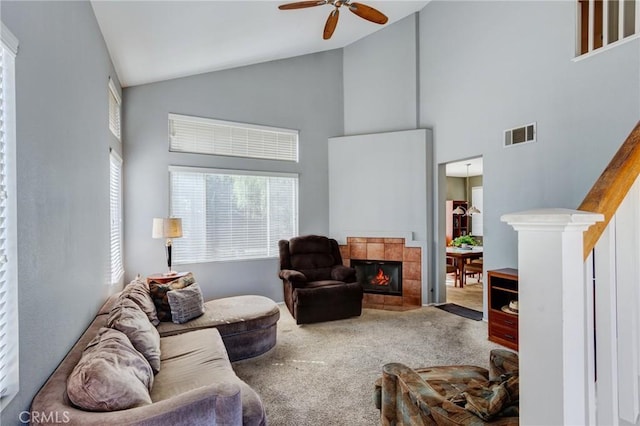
(518, 135)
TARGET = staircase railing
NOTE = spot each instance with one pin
(579, 300)
(612, 186)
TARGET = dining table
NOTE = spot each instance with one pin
(462, 255)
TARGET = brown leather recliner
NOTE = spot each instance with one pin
(317, 286)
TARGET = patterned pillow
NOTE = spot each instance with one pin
(186, 304)
(111, 375)
(138, 291)
(159, 294)
(128, 318)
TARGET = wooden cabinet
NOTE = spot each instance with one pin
(503, 324)
(456, 224)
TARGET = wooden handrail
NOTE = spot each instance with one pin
(612, 187)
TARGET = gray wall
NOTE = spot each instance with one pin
(303, 93)
(63, 138)
(380, 85)
(488, 66)
(377, 183)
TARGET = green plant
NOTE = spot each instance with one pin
(464, 239)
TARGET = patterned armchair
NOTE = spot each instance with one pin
(452, 395)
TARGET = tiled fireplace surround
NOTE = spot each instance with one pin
(368, 248)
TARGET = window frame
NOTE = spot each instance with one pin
(232, 125)
(115, 122)
(9, 336)
(233, 172)
(585, 9)
(116, 260)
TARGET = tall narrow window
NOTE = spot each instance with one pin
(605, 22)
(115, 200)
(8, 230)
(114, 109)
(232, 214)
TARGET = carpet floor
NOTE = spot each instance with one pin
(323, 374)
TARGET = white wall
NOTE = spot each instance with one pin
(303, 93)
(63, 140)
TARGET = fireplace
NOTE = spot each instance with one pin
(379, 276)
(388, 250)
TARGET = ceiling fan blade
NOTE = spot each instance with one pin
(302, 4)
(368, 13)
(330, 26)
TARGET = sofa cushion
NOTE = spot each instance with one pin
(111, 375)
(138, 291)
(159, 294)
(186, 303)
(199, 358)
(128, 318)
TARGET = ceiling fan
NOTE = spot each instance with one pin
(362, 10)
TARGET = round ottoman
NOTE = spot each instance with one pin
(247, 324)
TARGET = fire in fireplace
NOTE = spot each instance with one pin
(379, 276)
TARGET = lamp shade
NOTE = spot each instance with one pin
(473, 210)
(167, 227)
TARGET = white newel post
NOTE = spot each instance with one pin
(552, 329)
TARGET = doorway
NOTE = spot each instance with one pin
(463, 231)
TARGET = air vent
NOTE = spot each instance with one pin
(520, 135)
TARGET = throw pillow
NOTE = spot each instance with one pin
(111, 375)
(159, 294)
(128, 318)
(186, 304)
(138, 291)
(487, 402)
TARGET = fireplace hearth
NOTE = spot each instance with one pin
(379, 276)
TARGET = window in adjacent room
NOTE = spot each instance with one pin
(9, 383)
(115, 201)
(603, 23)
(114, 110)
(231, 214)
(207, 136)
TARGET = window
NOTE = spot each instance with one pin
(231, 215)
(115, 201)
(605, 22)
(207, 136)
(8, 232)
(114, 110)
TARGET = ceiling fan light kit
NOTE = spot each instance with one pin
(359, 9)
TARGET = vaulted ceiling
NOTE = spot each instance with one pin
(158, 40)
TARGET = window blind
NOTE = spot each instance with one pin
(208, 136)
(231, 215)
(9, 383)
(114, 110)
(115, 201)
